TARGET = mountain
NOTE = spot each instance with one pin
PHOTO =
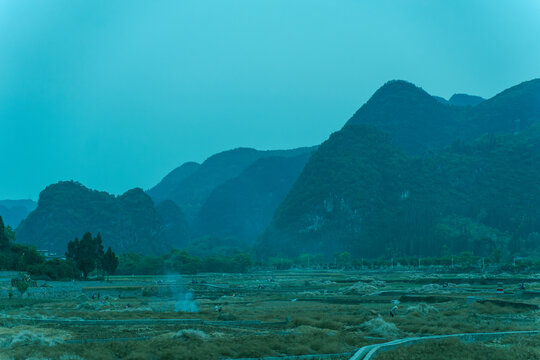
(441, 99)
(129, 222)
(175, 229)
(137, 222)
(418, 123)
(14, 211)
(192, 191)
(240, 208)
(373, 188)
(465, 100)
(163, 190)
(460, 100)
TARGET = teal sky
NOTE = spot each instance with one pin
(115, 94)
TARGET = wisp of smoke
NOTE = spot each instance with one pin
(187, 304)
(184, 299)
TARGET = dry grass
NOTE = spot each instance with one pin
(379, 327)
(518, 348)
(195, 346)
(492, 309)
(322, 319)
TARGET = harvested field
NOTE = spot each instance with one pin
(280, 313)
(519, 348)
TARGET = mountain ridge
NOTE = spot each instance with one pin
(14, 211)
(419, 123)
(191, 192)
(346, 199)
(68, 209)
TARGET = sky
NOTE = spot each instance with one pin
(115, 94)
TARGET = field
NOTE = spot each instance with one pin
(264, 314)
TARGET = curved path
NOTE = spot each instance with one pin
(370, 351)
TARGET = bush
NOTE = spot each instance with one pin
(181, 262)
(55, 270)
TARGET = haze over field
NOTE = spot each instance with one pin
(117, 94)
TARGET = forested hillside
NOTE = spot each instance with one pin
(231, 197)
(408, 174)
(191, 191)
(164, 188)
(367, 190)
(238, 191)
(129, 222)
(418, 123)
(242, 207)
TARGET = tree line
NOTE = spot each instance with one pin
(82, 257)
(464, 261)
(181, 262)
(88, 255)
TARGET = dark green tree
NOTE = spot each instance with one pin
(4, 239)
(21, 283)
(110, 262)
(86, 253)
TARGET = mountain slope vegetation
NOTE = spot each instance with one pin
(242, 207)
(164, 188)
(418, 122)
(191, 192)
(129, 222)
(373, 188)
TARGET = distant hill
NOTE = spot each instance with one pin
(460, 100)
(418, 123)
(129, 222)
(163, 190)
(441, 99)
(190, 192)
(465, 100)
(367, 190)
(240, 208)
(238, 181)
(14, 211)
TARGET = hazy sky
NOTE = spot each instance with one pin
(115, 94)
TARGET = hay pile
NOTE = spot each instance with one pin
(378, 283)
(429, 288)
(27, 337)
(359, 288)
(191, 334)
(320, 283)
(310, 293)
(379, 327)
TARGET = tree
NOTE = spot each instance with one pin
(497, 255)
(343, 259)
(22, 283)
(86, 253)
(110, 262)
(182, 263)
(10, 233)
(4, 239)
